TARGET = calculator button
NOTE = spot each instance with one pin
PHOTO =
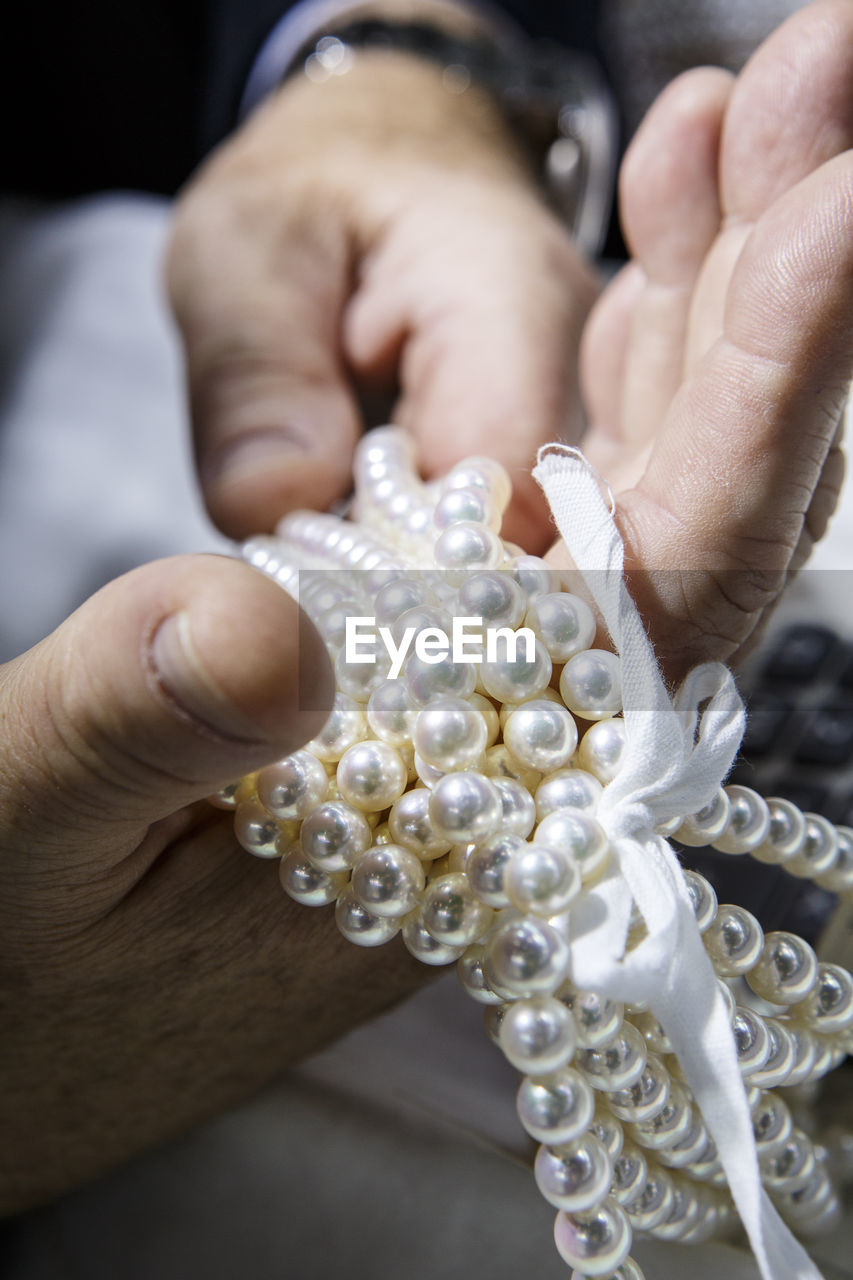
(767, 716)
(800, 654)
(827, 737)
(811, 797)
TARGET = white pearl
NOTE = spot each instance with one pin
(629, 1270)
(423, 946)
(708, 824)
(597, 1019)
(464, 807)
(485, 474)
(689, 1148)
(305, 883)
(472, 976)
(568, 789)
(617, 1064)
(538, 1036)
(574, 1176)
(771, 1123)
(361, 926)
(495, 597)
(345, 726)
(426, 773)
(421, 618)
(548, 695)
(535, 576)
(397, 598)
(428, 680)
(466, 546)
(781, 1058)
(630, 1173)
(597, 1242)
(785, 971)
(786, 833)
(392, 713)
(591, 684)
(683, 1215)
(359, 679)
(332, 623)
(518, 814)
(294, 786)
(839, 877)
(541, 734)
(733, 941)
(450, 734)
(227, 797)
(703, 899)
(371, 776)
(607, 1129)
(670, 1125)
(652, 1032)
(409, 825)
(388, 880)
(751, 1041)
(575, 833)
(653, 1204)
(646, 1098)
(451, 913)
(556, 1108)
(748, 824)
(828, 1008)
(563, 622)
(334, 835)
(258, 832)
(510, 677)
(486, 866)
(526, 957)
(501, 763)
(489, 713)
(602, 748)
(542, 880)
(819, 850)
(466, 505)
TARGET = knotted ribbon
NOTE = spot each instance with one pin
(673, 764)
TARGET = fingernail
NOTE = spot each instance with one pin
(255, 452)
(180, 675)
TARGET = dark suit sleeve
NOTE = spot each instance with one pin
(102, 95)
(239, 28)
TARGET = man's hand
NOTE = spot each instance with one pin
(716, 366)
(372, 239)
(152, 973)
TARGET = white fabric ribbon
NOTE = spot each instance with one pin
(673, 764)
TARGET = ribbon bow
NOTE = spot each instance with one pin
(673, 764)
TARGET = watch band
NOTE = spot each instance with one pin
(555, 101)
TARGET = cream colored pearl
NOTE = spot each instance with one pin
(371, 776)
(602, 748)
(591, 684)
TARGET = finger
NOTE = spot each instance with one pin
(603, 361)
(485, 319)
(671, 214)
(166, 684)
(731, 478)
(791, 110)
(258, 292)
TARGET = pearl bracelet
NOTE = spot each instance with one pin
(454, 802)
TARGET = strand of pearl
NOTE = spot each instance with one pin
(413, 812)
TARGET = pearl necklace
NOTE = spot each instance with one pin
(456, 805)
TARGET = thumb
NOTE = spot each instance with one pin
(169, 682)
(274, 418)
